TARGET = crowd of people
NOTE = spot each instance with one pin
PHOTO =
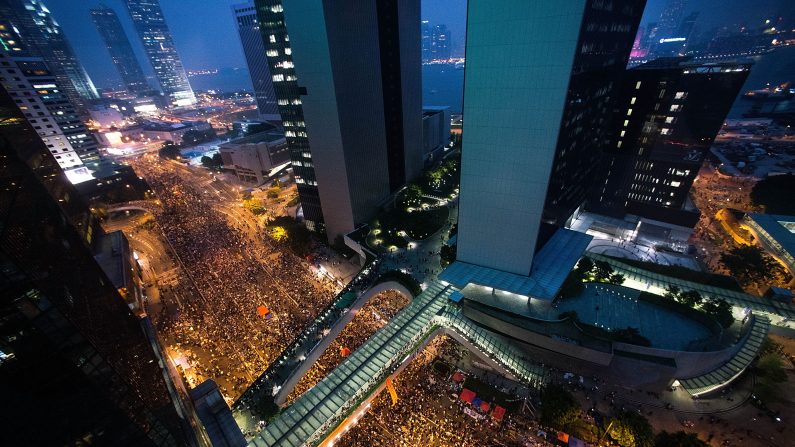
(429, 412)
(227, 276)
(371, 317)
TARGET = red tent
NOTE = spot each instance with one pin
(484, 407)
(467, 395)
(262, 311)
(345, 351)
(458, 377)
(498, 413)
(563, 437)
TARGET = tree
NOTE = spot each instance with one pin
(631, 429)
(770, 371)
(748, 263)
(169, 150)
(559, 408)
(672, 292)
(411, 196)
(720, 310)
(289, 230)
(774, 194)
(678, 439)
(447, 255)
(602, 271)
(585, 264)
(213, 162)
(616, 278)
(690, 298)
(273, 192)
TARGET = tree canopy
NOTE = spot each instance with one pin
(559, 408)
(775, 194)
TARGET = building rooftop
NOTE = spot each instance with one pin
(551, 266)
(270, 136)
(781, 228)
(109, 253)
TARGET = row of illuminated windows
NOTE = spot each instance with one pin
(286, 102)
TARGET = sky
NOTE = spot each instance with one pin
(205, 34)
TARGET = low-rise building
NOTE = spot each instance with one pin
(157, 130)
(435, 132)
(776, 234)
(254, 156)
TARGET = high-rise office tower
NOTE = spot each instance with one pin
(670, 113)
(37, 92)
(43, 37)
(73, 354)
(121, 52)
(360, 67)
(440, 43)
(161, 51)
(538, 94)
(604, 43)
(254, 50)
(427, 39)
(288, 99)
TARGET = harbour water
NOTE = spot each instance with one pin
(443, 85)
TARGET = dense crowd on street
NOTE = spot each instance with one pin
(227, 276)
(371, 317)
(429, 412)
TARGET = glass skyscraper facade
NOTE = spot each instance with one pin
(43, 37)
(670, 111)
(360, 67)
(288, 99)
(254, 51)
(77, 367)
(121, 52)
(537, 97)
(161, 51)
(37, 92)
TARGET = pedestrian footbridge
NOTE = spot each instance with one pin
(320, 410)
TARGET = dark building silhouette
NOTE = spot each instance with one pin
(604, 43)
(77, 367)
(670, 112)
(121, 52)
(254, 50)
(160, 49)
(43, 37)
(288, 99)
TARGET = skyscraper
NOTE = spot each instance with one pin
(121, 52)
(671, 111)
(440, 43)
(43, 37)
(360, 67)
(538, 94)
(288, 99)
(37, 92)
(73, 353)
(161, 51)
(254, 50)
(426, 39)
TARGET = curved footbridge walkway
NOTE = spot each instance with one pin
(321, 410)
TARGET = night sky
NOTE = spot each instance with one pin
(205, 34)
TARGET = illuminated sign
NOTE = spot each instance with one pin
(673, 39)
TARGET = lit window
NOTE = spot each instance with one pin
(618, 144)
(665, 131)
(623, 132)
(288, 51)
(278, 77)
(676, 184)
(272, 53)
(626, 123)
(272, 38)
(669, 119)
(680, 95)
(632, 101)
(629, 112)
(676, 108)
(637, 85)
